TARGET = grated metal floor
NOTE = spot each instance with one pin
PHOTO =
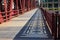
(35, 29)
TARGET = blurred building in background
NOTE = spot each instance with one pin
(51, 4)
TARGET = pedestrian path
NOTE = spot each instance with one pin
(35, 29)
(9, 30)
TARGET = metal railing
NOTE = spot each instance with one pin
(53, 21)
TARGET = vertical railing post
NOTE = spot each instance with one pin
(5, 5)
(28, 4)
(23, 5)
(11, 10)
(58, 26)
(17, 7)
(54, 25)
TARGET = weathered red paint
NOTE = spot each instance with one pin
(13, 8)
